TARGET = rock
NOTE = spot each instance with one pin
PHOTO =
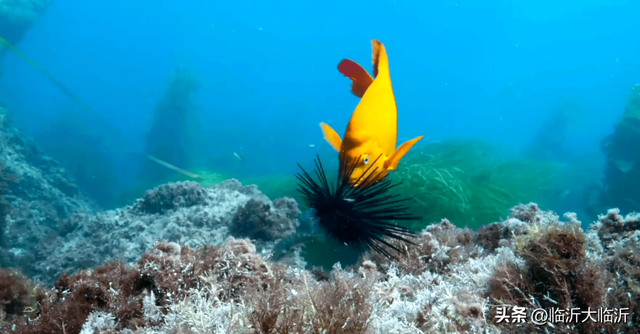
(185, 213)
(40, 196)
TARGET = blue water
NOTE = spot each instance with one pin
(492, 70)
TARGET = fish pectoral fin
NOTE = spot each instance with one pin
(331, 136)
(394, 159)
(361, 80)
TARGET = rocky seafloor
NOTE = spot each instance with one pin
(190, 259)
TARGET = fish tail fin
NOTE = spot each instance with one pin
(361, 80)
(380, 59)
(331, 136)
(392, 162)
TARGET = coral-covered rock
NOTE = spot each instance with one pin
(185, 213)
(172, 196)
(258, 220)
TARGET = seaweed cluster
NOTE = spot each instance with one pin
(17, 295)
(213, 289)
(564, 269)
(470, 183)
(556, 274)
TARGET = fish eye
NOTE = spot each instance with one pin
(366, 160)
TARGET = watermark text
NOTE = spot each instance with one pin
(541, 316)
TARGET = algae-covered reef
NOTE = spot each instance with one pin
(454, 281)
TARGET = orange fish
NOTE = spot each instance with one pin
(372, 132)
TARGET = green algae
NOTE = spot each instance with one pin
(471, 182)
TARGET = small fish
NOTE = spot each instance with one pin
(170, 166)
(312, 145)
(372, 132)
(238, 156)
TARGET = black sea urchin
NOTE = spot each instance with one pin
(359, 217)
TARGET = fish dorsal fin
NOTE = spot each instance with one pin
(375, 50)
(358, 75)
(376, 113)
(379, 57)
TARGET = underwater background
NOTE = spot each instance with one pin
(149, 151)
(194, 82)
